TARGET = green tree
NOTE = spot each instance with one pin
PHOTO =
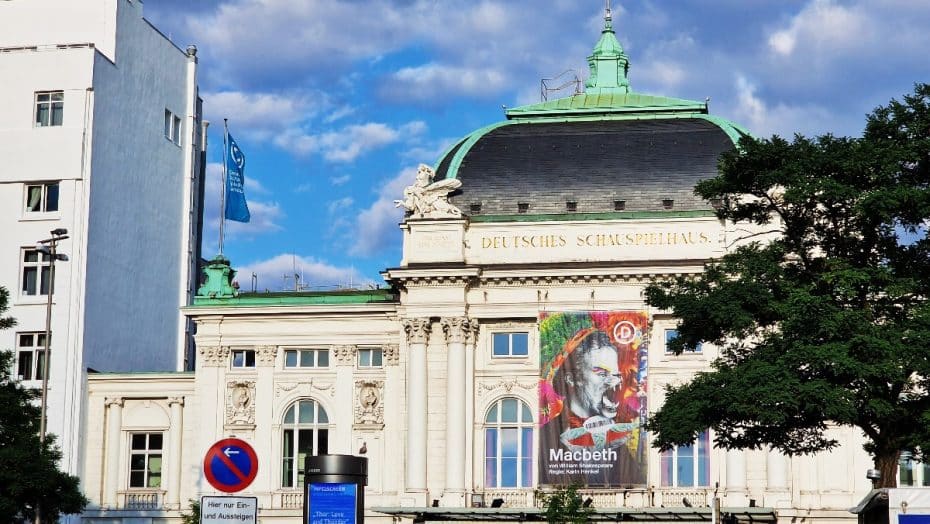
(29, 473)
(193, 514)
(564, 506)
(829, 322)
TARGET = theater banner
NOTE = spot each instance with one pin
(592, 398)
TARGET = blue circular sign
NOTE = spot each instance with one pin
(230, 465)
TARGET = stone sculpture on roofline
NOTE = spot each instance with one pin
(428, 199)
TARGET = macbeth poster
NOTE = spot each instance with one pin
(592, 398)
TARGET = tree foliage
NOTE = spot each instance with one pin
(827, 323)
(29, 473)
(564, 506)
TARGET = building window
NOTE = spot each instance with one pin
(41, 198)
(672, 334)
(306, 358)
(508, 445)
(370, 358)
(30, 355)
(306, 433)
(243, 358)
(172, 127)
(145, 460)
(50, 108)
(511, 344)
(912, 473)
(687, 466)
(36, 273)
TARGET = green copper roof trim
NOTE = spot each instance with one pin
(608, 63)
(446, 152)
(581, 217)
(374, 296)
(604, 103)
(732, 130)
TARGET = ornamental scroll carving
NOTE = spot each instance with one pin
(213, 355)
(456, 329)
(266, 355)
(428, 199)
(417, 330)
(344, 355)
(506, 385)
(391, 354)
(240, 403)
(369, 405)
(305, 387)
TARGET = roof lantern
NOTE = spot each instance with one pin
(608, 63)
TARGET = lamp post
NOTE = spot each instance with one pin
(49, 247)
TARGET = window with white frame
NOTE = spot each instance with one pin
(172, 127)
(30, 355)
(50, 108)
(912, 473)
(35, 273)
(510, 344)
(41, 198)
(687, 466)
(672, 334)
(145, 453)
(370, 358)
(508, 445)
(306, 358)
(243, 358)
(305, 431)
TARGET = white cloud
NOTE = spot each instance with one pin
(376, 227)
(277, 274)
(265, 216)
(823, 25)
(348, 143)
(764, 119)
(340, 180)
(427, 80)
(260, 115)
(335, 206)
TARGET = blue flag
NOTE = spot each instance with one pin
(236, 207)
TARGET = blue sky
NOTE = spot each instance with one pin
(335, 102)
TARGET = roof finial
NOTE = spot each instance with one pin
(607, 17)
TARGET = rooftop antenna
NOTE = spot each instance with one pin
(545, 84)
(254, 281)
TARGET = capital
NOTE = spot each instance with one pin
(417, 330)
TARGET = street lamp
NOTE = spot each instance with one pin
(49, 247)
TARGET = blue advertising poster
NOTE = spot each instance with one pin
(913, 519)
(331, 503)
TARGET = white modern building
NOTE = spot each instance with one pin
(100, 135)
(511, 349)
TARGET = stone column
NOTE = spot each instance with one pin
(114, 428)
(175, 447)
(417, 330)
(776, 471)
(455, 330)
(736, 478)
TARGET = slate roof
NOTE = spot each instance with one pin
(641, 162)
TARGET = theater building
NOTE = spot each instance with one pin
(510, 349)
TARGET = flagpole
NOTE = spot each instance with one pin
(223, 189)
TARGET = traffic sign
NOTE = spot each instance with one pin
(230, 465)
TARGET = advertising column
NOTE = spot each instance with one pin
(335, 489)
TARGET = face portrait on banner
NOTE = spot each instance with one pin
(592, 397)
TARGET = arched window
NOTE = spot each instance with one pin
(508, 445)
(306, 433)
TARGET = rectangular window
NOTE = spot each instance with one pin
(50, 108)
(306, 358)
(168, 117)
(243, 358)
(41, 198)
(511, 344)
(36, 273)
(687, 466)
(672, 334)
(145, 460)
(176, 130)
(912, 473)
(370, 358)
(30, 355)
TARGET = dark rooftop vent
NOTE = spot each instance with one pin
(523, 207)
(619, 205)
(571, 206)
(668, 203)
